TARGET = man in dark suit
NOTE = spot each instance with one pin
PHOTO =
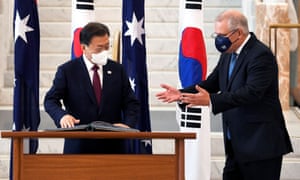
(112, 101)
(255, 135)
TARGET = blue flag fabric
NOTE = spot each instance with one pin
(26, 113)
(134, 62)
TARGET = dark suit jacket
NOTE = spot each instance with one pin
(73, 86)
(250, 103)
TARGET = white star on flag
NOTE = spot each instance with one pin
(21, 27)
(135, 29)
(132, 83)
(147, 142)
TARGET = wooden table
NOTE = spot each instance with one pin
(98, 166)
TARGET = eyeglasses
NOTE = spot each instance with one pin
(103, 47)
(98, 49)
(215, 35)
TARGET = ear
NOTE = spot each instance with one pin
(82, 47)
(240, 32)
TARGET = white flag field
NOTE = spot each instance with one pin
(83, 12)
(192, 69)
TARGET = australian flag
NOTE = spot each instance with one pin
(26, 113)
(134, 61)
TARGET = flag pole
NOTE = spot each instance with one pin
(116, 47)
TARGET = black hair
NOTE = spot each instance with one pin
(92, 29)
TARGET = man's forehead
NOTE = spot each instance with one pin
(221, 26)
(100, 39)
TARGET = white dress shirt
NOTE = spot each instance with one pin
(89, 67)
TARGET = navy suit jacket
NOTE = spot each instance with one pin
(250, 103)
(73, 86)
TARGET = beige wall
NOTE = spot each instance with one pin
(5, 36)
(161, 18)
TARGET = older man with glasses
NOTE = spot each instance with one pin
(244, 88)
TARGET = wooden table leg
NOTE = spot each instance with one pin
(17, 156)
(180, 158)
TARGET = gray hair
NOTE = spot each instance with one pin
(235, 20)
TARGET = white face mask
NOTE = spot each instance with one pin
(100, 58)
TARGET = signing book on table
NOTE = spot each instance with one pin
(96, 126)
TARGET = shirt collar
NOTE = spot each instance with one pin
(238, 51)
(88, 63)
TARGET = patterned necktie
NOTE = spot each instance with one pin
(232, 63)
(96, 83)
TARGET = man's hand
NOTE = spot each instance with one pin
(121, 125)
(169, 95)
(68, 121)
(200, 98)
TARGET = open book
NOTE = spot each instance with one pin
(96, 126)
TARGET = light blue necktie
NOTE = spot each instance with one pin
(231, 67)
(232, 63)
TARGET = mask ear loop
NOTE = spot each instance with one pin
(237, 38)
(84, 48)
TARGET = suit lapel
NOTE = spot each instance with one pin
(236, 68)
(226, 70)
(240, 60)
(106, 73)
